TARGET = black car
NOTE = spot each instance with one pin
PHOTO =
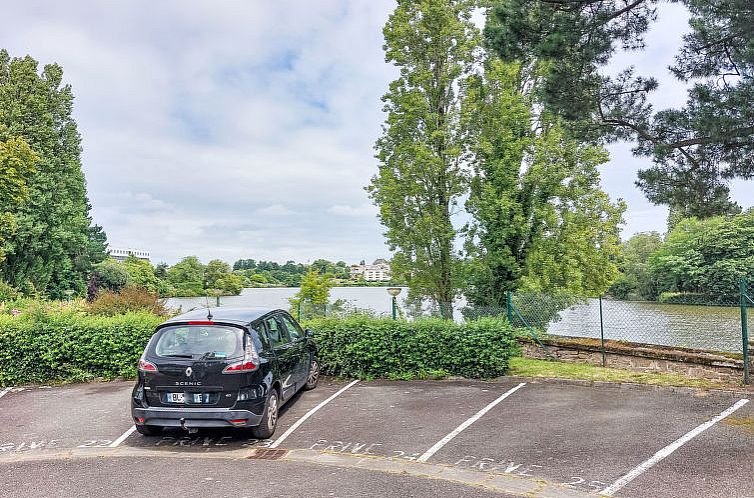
(223, 367)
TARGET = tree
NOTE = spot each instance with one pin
(540, 219)
(17, 164)
(635, 279)
(217, 275)
(422, 151)
(215, 270)
(141, 274)
(706, 257)
(187, 277)
(109, 274)
(314, 292)
(52, 227)
(695, 149)
(161, 270)
(229, 284)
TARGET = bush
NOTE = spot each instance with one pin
(129, 299)
(8, 292)
(110, 274)
(367, 347)
(685, 298)
(49, 346)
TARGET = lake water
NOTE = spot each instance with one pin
(714, 328)
(700, 327)
(375, 299)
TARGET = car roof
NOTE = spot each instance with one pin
(223, 314)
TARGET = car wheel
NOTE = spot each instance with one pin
(266, 428)
(148, 430)
(313, 379)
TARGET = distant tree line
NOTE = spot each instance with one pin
(192, 278)
(269, 273)
(187, 278)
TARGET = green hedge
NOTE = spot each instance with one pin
(38, 348)
(43, 347)
(366, 347)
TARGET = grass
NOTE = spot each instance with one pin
(527, 367)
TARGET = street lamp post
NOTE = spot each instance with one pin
(394, 291)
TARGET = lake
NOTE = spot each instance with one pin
(699, 327)
(375, 299)
(714, 328)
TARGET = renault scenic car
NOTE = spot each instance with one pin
(223, 367)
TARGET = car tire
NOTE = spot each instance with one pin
(313, 378)
(148, 430)
(266, 428)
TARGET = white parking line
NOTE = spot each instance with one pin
(666, 451)
(122, 437)
(307, 415)
(442, 442)
(5, 391)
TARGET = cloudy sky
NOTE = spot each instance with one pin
(245, 128)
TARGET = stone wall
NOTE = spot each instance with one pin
(641, 357)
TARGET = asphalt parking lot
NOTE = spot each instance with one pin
(511, 437)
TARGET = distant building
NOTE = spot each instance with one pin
(122, 254)
(379, 271)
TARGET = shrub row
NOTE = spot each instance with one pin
(56, 346)
(51, 347)
(366, 347)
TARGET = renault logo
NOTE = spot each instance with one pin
(189, 372)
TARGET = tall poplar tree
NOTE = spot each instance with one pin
(424, 145)
(52, 230)
(17, 162)
(541, 221)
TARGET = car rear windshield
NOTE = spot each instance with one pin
(200, 341)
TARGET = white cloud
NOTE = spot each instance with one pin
(363, 211)
(232, 129)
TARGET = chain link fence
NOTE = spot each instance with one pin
(714, 328)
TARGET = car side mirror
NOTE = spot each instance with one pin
(309, 333)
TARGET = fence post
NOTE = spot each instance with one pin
(509, 306)
(602, 336)
(743, 288)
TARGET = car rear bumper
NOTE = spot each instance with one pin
(195, 417)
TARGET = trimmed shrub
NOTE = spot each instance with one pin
(128, 299)
(54, 347)
(366, 347)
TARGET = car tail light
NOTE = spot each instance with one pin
(146, 366)
(239, 421)
(249, 363)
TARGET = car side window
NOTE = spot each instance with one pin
(258, 337)
(275, 332)
(293, 328)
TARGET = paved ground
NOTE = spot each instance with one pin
(435, 439)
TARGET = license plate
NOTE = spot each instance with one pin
(194, 398)
(175, 397)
